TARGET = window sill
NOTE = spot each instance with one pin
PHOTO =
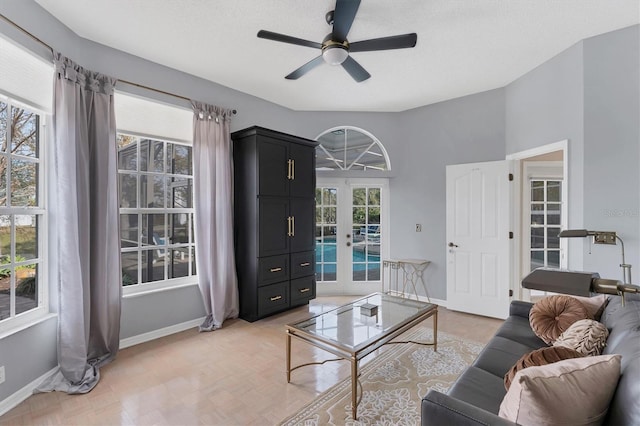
(145, 289)
(17, 326)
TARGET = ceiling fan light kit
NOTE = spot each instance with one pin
(336, 48)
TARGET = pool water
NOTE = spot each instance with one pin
(360, 260)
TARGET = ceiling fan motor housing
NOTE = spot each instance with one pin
(334, 52)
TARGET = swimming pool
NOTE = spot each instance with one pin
(360, 260)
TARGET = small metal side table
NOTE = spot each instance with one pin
(412, 273)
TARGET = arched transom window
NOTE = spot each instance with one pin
(350, 148)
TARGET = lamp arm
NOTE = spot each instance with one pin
(626, 268)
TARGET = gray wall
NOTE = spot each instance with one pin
(544, 106)
(611, 147)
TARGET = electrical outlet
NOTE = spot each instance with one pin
(2, 374)
(418, 227)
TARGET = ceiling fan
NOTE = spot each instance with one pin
(335, 46)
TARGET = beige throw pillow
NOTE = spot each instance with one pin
(595, 305)
(569, 392)
(588, 337)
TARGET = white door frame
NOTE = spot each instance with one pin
(344, 284)
(517, 223)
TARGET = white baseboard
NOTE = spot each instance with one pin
(162, 332)
(24, 393)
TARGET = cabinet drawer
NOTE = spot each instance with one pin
(303, 290)
(273, 269)
(273, 298)
(303, 264)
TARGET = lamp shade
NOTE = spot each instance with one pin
(334, 54)
(560, 281)
(571, 233)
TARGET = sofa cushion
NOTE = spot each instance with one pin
(517, 328)
(500, 354)
(550, 316)
(585, 336)
(573, 391)
(479, 388)
(542, 356)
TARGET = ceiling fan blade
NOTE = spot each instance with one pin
(355, 70)
(385, 43)
(305, 68)
(343, 17)
(288, 39)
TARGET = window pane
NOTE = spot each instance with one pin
(537, 259)
(128, 191)
(374, 214)
(179, 228)
(553, 214)
(127, 152)
(179, 157)
(359, 215)
(24, 132)
(553, 258)
(329, 215)
(153, 262)
(537, 237)
(26, 237)
(193, 260)
(129, 268)
(151, 191)
(181, 192)
(154, 225)
(3, 126)
(330, 196)
(552, 238)
(5, 236)
(359, 196)
(537, 190)
(23, 183)
(537, 214)
(26, 288)
(3, 180)
(553, 191)
(179, 266)
(129, 230)
(374, 196)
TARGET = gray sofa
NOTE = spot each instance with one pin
(474, 399)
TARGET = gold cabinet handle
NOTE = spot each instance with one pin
(289, 169)
(305, 264)
(304, 290)
(293, 169)
(293, 226)
(289, 232)
(275, 269)
(274, 298)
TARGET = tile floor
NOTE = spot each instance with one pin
(233, 376)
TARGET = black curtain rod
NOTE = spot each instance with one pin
(9, 21)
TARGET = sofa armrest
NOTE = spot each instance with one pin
(520, 308)
(441, 409)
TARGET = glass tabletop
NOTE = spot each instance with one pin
(363, 320)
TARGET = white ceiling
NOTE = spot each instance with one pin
(464, 46)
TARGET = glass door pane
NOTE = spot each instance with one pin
(326, 233)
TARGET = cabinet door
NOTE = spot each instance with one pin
(303, 213)
(273, 214)
(303, 182)
(273, 167)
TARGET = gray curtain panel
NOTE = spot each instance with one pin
(213, 192)
(84, 223)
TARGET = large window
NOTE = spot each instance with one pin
(21, 211)
(156, 212)
(350, 148)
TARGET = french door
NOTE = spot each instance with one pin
(351, 235)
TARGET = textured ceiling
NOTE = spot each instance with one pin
(464, 46)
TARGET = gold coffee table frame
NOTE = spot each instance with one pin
(401, 315)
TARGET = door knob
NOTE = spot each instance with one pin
(348, 235)
(348, 244)
(453, 245)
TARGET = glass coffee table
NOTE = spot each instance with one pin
(354, 330)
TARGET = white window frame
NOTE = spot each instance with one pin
(19, 321)
(170, 283)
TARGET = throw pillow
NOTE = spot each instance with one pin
(588, 337)
(550, 316)
(569, 392)
(595, 305)
(540, 357)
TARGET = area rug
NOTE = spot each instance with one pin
(393, 383)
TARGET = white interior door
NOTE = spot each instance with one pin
(351, 235)
(478, 243)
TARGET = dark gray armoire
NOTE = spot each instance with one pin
(274, 220)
